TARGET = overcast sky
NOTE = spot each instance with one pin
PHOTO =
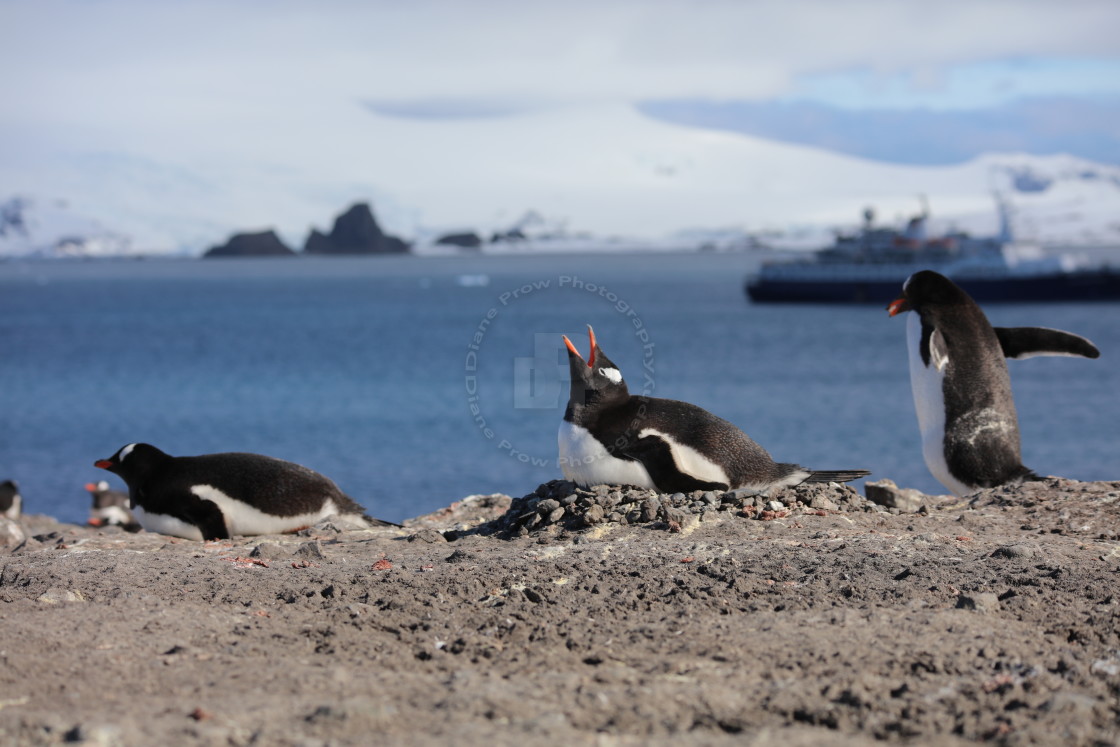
(115, 60)
(206, 77)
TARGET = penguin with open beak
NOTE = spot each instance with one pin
(609, 436)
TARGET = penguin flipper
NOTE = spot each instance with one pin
(1027, 342)
(209, 519)
(656, 456)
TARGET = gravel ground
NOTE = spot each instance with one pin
(605, 616)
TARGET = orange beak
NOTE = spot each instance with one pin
(103, 464)
(897, 306)
(572, 348)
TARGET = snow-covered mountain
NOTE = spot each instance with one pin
(608, 171)
(30, 227)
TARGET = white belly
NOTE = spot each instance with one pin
(584, 461)
(240, 518)
(926, 384)
(243, 519)
(164, 524)
(13, 511)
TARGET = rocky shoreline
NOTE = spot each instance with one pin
(568, 616)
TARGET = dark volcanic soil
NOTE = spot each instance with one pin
(991, 619)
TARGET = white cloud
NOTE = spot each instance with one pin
(183, 59)
(214, 115)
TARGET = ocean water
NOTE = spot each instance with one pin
(413, 382)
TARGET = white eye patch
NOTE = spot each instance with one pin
(125, 452)
(612, 373)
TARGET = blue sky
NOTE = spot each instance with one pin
(932, 115)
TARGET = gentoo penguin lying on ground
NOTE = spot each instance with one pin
(608, 437)
(11, 502)
(110, 507)
(214, 496)
(962, 391)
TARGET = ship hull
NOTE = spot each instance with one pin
(1102, 285)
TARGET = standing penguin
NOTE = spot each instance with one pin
(11, 502)
(214, 496)
(609, 437)
(961, 387)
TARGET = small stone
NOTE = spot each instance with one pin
(1023, 550)
(775, 506)
(649, 509)
(547, 506)
(568, 499)
(563, 487)
(711, 498)
(556, 515)
(822, 503)
(674, 518)
(311, 550)
(459, 556)
(59, 596)
(270, 551)
(984, 602)
(427, 535)
(886, 493)
(594, 515)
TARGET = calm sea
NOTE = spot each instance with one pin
(413, 382)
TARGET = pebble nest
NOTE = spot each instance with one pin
(562, 504)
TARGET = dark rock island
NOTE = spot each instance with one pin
(355, 232)
(263, 244)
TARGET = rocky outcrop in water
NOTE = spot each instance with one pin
(354, 232)
(263, 244)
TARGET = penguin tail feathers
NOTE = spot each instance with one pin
(1027, 475)
(842, 475)
(380, 522)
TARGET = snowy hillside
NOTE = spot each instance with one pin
(48, 228)
(607, 170)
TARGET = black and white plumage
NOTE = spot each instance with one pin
(214, 496)
(961, 386)
(610, 437)
(110, 507)
(11, 502)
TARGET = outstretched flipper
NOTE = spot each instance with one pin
(1027, 342)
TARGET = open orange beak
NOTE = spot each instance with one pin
(572, 348)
